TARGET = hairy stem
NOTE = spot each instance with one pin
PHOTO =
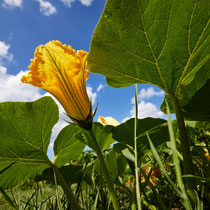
(104, 170)
(187, 158)
(135, 151)
(70, 196)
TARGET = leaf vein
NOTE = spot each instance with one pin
(150, 47)
(189, 59)
(24, 139)
(9, 150)
(169, 22)
(129, 76)
(133, 53)
(191, 17)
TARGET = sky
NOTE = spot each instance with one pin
(26, 24)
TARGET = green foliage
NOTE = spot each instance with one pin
(25, 129)
(71, 173)
(198, 107)
(66, 146)
(157, 128)
(116, 163)
(161, 43)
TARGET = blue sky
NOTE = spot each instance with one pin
(25, 24)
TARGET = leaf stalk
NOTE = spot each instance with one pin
(70, 196)
(187, 158)
(104, 170)
(138, 198)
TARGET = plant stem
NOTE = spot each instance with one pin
(176, 160)
(187, 158)
(56, 190)
(138, 198)
(70, 196)
(105, 171)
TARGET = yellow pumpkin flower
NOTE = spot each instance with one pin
(62, 71)
(108, 121)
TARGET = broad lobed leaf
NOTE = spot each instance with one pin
(164, 43)
(71, 173)
(25, 130)
(156, 128)
(66, 145)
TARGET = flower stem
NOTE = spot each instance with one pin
(135, 150)
(70, 196)
(104, 170)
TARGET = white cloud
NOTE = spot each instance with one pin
(12, 3)
(62, 117)
(92, 95)
(4, 52)
(145, 109)
(11, 88)
(67, 3)
(147, 94)
(100, 87)
(3, 70)
(46, 7)
(86, 2)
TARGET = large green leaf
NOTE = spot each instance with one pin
(25, 130)
(111, 163)
(164, 43)
(116, 163)
(198, 108)
(156, 128)
(71, 173)
(66, 146)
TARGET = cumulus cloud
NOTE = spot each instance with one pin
(86, 2)
(67, 3)
(12, 3)
(147, 94)
(100, 87)
(62, 118)
(46, 8)
(92, 95)
(4, 52)
(11, 88)
(146, 109)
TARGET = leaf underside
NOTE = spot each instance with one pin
(25, 130)
(163, 43)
